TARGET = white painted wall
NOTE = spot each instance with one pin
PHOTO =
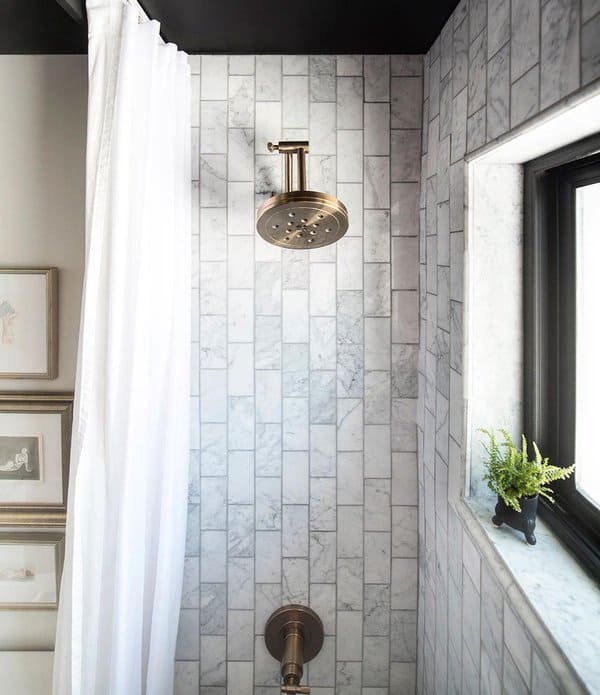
(42, 197)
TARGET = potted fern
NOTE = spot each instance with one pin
(518, 481)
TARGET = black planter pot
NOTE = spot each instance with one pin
(521, 521)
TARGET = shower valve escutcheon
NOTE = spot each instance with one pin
(293, 635)
(298, 218)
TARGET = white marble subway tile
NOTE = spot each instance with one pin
(194, 62)
(213, 503)
(459, 126)
(350, 477)
(268, 395)
(213, 608)
(350, 532)
(434, 89)
(213, 234)
(268, 289)
(214, 77)
(322, 504)
(349, 584)
(377, 557)
(322, 342)
(525, 96)
(294, 269)
(377, 343)
(376, 236)
(511, 677)
(476, 130)
(267, 342)
(498, 94)
(405, 541)
(295, 530)
(350, 371)
(268, 504)
(240, 583)
(267, 175)
(240, 377)
(461, 57)
(590, 51)
(350, 317)
(240, 208)
(376, 182)
(239, 674)
(268, 449)
(268, 78)
(446, 106)
(295, 370)
(349, 630)
(403, 677)
(404, 636)
(321, 671)
(295, 101)
(406, 102)
(377, 504)
(349, 65)
(295, 65)
(351, 194)
(295, 424)
(446, 47)
(350, 424)
(241, 101)
(477, 17)
(559, 59)
(350, 263)
(213, 454)
(213, 130)
(213, 390)
(240, 269)
(498, 25)
(322, 78)
(266, 670)
(405, 316)
(240, 317)
(377, 610)
(267, 600)
(349, 156)
(349, 677)
(268, 126)
(377, 454)
(377, 300)
(213, 181)
(268, 556)
(322, 556)
(324, 254)
(404, 371)
(377, 398)
(377, 77)
(295, 477)
(405, 158)
(517, 642)
(188, 635)
(240, 477)
(213, 556)
(477, 73)
(240, 531)
(193, 534)
(322, 450)
(349, 102)
(241, 65)
(240, 422)
(294, 580)
(240, 154)
(295, 327)
(322, 175)
(213, 342)
(322, 397)
(404, 209)
(406, 65)
(404, 584)
(525, 23)
(322, 295)
(377, 129)
(322, 128)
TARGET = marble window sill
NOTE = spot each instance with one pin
(556, 599)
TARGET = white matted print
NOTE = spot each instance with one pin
(28, 325)
(30, 567)
(35, 432)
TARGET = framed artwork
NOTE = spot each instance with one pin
(28, 323)
(30, 569)
(35, 440)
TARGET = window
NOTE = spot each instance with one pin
(562, 335)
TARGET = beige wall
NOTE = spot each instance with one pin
(42, 195)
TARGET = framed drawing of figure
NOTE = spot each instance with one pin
(28, 323)
(35, 439)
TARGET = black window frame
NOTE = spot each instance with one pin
(549, 267)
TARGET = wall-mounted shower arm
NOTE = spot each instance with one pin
(289, 148)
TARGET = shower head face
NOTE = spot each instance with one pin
(302, 220)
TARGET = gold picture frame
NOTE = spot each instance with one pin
(28, 503)
(7, 317)
(23, 574)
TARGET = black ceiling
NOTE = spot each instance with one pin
(244, 26)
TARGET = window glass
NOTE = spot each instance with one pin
(587, 425)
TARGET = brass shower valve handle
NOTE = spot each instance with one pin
(295, 689)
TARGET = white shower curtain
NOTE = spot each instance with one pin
(121, 586)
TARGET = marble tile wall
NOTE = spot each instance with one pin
(495, 64)
(304, 471)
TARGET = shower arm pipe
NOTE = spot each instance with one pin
(289, 149)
